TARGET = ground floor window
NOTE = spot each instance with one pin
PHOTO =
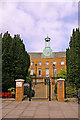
(54, 72)
(47, 72)
(39, 72)
(32, 71)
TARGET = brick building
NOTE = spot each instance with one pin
(47, 67)
(47, 64)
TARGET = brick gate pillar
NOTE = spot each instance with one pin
(60, 89)
(19, 89)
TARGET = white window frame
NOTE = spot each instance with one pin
(47, 72)
(32, 63)
(54, 62)
(39, 63)
(32, 71)
(62, 62)
(54, 72)
(38, 71)
(47, 62)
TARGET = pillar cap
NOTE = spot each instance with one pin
(19, 80)
(60, 79)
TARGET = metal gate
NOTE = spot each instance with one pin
(43, 90)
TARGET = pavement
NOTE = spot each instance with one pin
(50, 109)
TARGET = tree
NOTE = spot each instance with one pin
(0, 63)
(73, 59)
(6, 61)
(62, 74)
(28, 77)
(15, 60)
(27, 91)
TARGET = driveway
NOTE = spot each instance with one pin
(17, 110)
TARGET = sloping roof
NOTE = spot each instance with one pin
(41, 55)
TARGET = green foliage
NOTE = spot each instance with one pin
(28, 77)
(12, 90)
(73, 59)
(15, 60)
(34, 74)
(71, 91)
(27, 92)
(0, 62)
(27, 89)
(62, 74)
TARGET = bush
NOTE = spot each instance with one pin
(12, 90)
(27, 92)
(71, 91)
(6, 95)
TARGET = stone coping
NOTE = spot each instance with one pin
(19, 80)
(60, 79)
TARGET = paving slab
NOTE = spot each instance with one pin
(28, 113)
(31, 108)
(16, 112)
(41, 113)
(14, 109)
(40, 116)
(11, 116)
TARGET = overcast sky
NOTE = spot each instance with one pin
(33, 21)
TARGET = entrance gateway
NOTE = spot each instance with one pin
(44, 67)
(44, 90)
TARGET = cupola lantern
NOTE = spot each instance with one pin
(47, 42)
(47, 50)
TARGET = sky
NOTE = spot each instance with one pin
(35, 20)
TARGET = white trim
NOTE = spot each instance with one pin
(60, 79)
(19, 80)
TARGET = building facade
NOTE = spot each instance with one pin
(46, 65)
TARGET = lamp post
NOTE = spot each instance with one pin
(35, 77)
(49, 90)
(35, 72)
(53, 70)
(54, 79)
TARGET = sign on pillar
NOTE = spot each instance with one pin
(19, 89)
(60, 89)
